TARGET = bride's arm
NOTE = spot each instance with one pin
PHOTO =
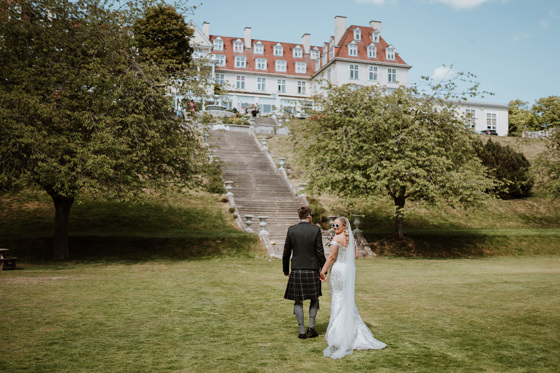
(356, 250)
(333, 253)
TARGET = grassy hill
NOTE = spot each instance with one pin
(501, 227)
(181, 226)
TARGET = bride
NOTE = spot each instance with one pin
(346, 331)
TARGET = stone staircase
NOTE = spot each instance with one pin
(258, 189)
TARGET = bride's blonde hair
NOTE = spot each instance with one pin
(344, 223)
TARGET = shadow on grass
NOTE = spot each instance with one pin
(137, 249)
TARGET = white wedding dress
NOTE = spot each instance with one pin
(346, 331)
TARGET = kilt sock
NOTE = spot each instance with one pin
(298, 311)
(313, 308)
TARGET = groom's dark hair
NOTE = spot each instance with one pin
(304, 212)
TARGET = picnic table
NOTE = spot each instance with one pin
(7, 262)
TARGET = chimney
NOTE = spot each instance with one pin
(376, 25)
(305, 40)
(339, 28)
(206, 29)
(248, 37)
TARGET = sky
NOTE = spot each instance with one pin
(512, 46)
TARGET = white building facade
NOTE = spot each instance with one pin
(281, 77)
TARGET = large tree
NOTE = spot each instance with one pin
(366, 142)
(81, 111)
(547, 112)
(520, 118)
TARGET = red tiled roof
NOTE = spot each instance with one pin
(348, 37)
(268, 54)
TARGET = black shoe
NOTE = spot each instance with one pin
(302, 336)
(312, 333)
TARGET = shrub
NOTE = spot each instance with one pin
(508, 167)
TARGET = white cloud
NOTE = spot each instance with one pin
(443, 73)
(545, 23)
(519, 37)
(461, 4)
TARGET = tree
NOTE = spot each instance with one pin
(520, 117)
(81, 111)
(547, 112)
(412, 147)
(548, 166)
(510, 169)
(163, 36)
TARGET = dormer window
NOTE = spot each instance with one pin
(220, 59)
(390, 53)
(238, 46)
(372, 51)
(301, 67)
(240, 62)
(314, 54)
(357, 34)
(375, 36)
(353, 49)
(259, 48)
(278, 50)
(298, 52)
(218, 44)
(280, 66)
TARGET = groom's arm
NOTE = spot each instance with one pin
(286, 255)
(319, 249)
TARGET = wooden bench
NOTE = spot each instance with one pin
(8, 262)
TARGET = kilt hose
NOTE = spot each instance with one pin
(303, 284)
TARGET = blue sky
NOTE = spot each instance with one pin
(512, 46)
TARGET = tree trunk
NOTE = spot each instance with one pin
(399, 215)
(62, 207)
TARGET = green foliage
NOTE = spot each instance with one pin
(81, 111)
(509, 168)
(547, 112)
(366, 143)
(548, 166)
(520, 117)
(163, 37)
(319, 213)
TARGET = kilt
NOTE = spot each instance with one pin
(303, 284)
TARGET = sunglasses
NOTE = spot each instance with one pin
(335, 225)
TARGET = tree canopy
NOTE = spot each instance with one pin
(81, 111)
(365, 143)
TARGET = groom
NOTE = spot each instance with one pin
(305, 245)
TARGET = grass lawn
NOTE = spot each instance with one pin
(226, 314)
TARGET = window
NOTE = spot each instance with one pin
(491, 121)
(238, 46)
(357, 34)
(301, 87)
(240, 84)
(353, 71)
(220, 59)
(261, 64)
(298, 52)
(218, 44)
(392, 75)
(390, 53)
(301, 68)
(280, 65)
(371, 51)
(352, 49)
(470, 120)
(278, 50)
(240, 62)
(373, 73)
(375, 36)
(281, 85)
(220, 79)
(259, 48)
(314, 54)
(261, 84)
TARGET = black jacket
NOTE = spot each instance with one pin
(305, 242)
